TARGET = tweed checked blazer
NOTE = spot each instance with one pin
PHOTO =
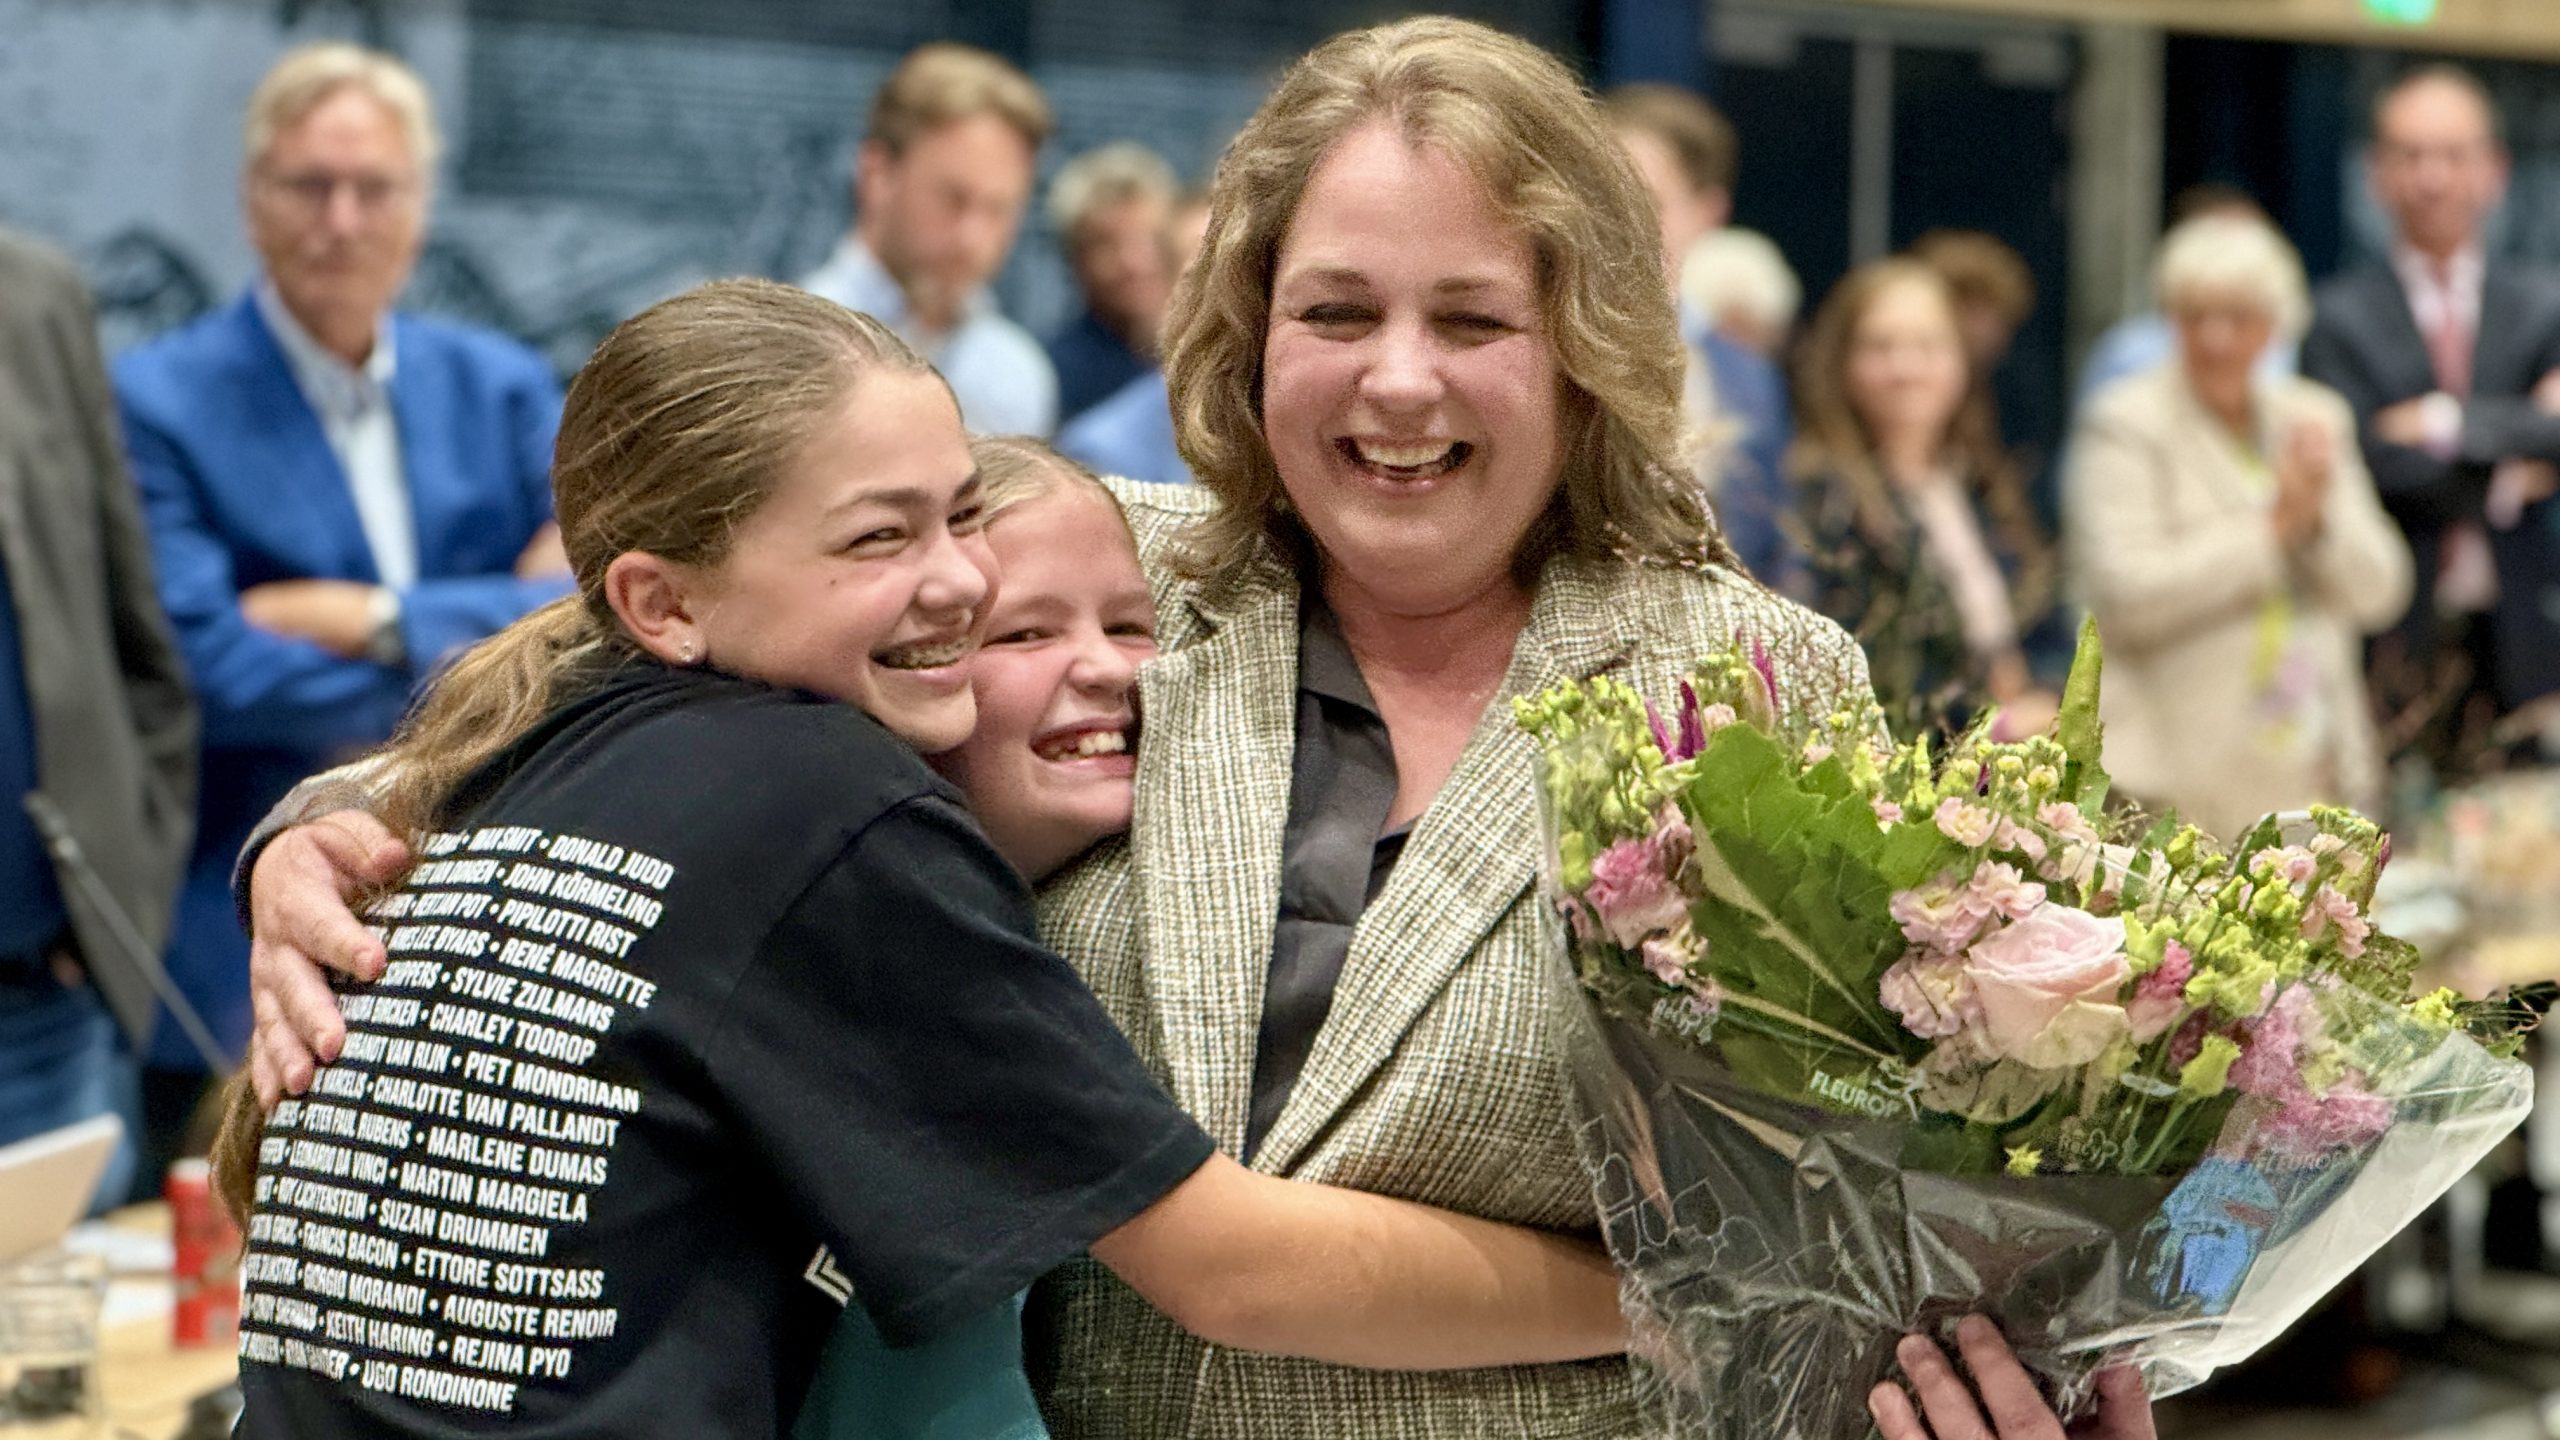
(1436, 1076)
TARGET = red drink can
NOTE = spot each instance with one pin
(206, 1263)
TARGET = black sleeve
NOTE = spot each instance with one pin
(2416, 487)
(940, 1095)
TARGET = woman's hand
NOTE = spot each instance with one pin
(2304, 464)
(2026, 708)
(2007, 1406)
(300, 927)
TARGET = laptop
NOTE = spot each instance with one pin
(46, 1183)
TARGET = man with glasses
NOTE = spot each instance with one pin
(2451, 358)
(340, 496)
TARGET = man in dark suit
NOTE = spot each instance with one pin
(2451, 359)
(94, 717)
(341, 496)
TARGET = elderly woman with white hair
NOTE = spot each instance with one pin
(2227, 537)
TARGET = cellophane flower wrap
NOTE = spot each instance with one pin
(1869, 1037)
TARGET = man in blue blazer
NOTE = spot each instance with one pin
(1686, 153)
(340, 497)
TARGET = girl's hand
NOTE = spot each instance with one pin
(2007, 1407)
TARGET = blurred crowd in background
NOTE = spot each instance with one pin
(2314, 522)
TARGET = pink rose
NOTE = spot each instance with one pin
(2048, 987)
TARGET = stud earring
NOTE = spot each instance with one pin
(686, 654)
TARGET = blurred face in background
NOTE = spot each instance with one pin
(1687, 215)
(2437, 166)
(337, 211)
(2221, 334)
(1906, 362)
(942, 216)
(1185, 231)
(1120, 264)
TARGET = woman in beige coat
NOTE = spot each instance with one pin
(2227, 537)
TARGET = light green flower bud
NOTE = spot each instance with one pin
(2436, 1010)
(2207, 1075)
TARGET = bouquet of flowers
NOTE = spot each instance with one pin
(1869, 1037)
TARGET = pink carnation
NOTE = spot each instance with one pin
(1969, 825)
(2161, 996)
(1887, 812)
(1667, 958)
(2270, 1063)
(2293, 862)
(1940, 916)
(2329, 908)
(2189, 1041)
(1632, 892)
(2309, 1127)
(1931, 994)
(2008, 834)
(1998, 889)
(2066, 822)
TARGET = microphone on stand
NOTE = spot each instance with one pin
(66, 850)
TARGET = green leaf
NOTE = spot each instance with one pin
(1794, 902)
(2084, 779)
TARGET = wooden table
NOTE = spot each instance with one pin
(147, 1382)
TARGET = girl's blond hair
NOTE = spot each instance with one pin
(1018, 469)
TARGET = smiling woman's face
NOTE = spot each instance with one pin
(1048, 768)
(1410, 395)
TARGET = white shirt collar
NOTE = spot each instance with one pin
(334, 387)
(2459, 275)
(869, 277)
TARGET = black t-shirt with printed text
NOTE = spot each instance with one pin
(709, 1011)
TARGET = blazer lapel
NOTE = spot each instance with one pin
(1468, 860)
(2397, 345)
(1220, 719)
(2492, 366)
(302, 476)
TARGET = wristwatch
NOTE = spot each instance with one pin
(384, 644)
